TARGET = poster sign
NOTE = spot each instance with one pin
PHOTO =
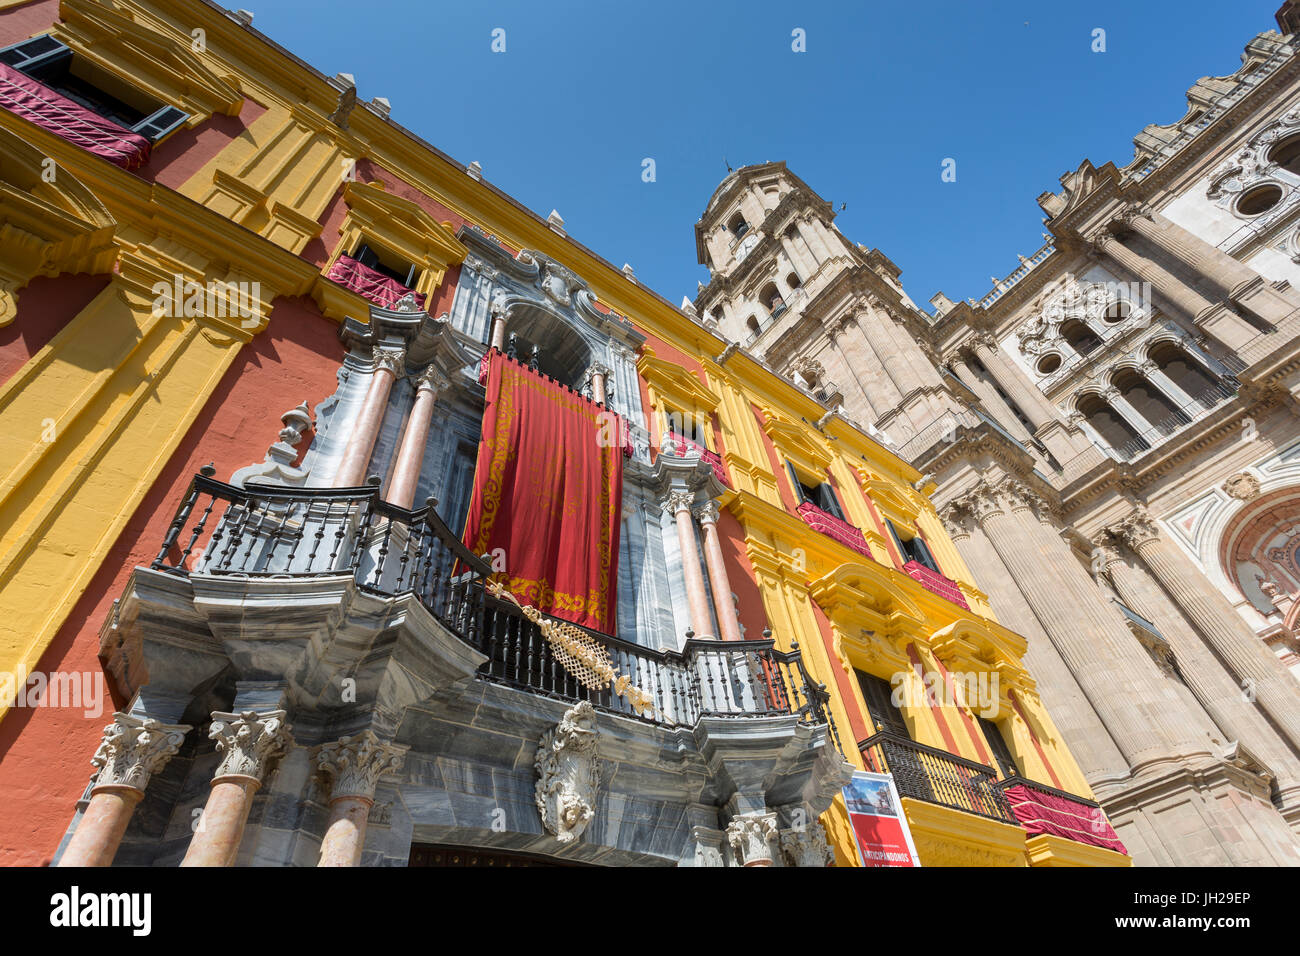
(876, 813)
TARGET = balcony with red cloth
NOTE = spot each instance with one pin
(712, 457)
(370, 283)
(935, 582)
(833, 527)
(35, 102)
(1041, 809)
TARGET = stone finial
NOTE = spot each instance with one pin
(407, 304)
(567, 773)
(133, 749)
(806, 846)
(382, 106)
(249, 742)
(347, 102)
(474, 170)
(750, 837)
(628, 271)
(556, 221)
(688, 307)
(357, 762)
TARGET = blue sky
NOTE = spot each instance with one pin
(585, 91)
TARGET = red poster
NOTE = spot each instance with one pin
(548, 495)
(876, 814)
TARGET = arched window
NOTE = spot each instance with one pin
(1287, 154)
(1113, 429)
(1187, 373)
(1079, 337)
(771, 299)
(1149, 402)
(738, 225)
(793, 281)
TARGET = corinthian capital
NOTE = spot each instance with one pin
(983, 340)
(433, 380)
(248, 741)
(390, 359)
(953, 515)
(1131, 211)
(134, 749)
(357, 762)
(1137, 529)
(981, 502)
(707, 513)
(750, 836)
(679, 501)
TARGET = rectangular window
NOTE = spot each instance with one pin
(458, 486)
(998, 745)
(85, 83)
(387, 263)
(819, 494)
(690, 427)
(878, 693)
(913, 548)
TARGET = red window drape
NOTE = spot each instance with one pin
(548, 495)
(36, 102)
(369, 283)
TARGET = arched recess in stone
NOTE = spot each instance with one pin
(1260, 546)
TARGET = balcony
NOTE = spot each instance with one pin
(833, 527)
(712, 457)
(1044, 810)
(370, 284)
(936, 583)
(1187, 413)
(281, 533)
(938, 777)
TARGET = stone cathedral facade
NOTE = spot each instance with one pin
(1111, 435)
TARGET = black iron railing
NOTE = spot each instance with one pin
(275, 532)
(1044, 788)
(936, 776)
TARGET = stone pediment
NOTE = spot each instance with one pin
(675, 382)
(792, 440)
(1078, 186)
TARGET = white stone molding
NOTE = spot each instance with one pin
(750, 836)
(710, 847)
(133, 749)
(355, 763)
(806, 846)
(568, 776)
(249, 742)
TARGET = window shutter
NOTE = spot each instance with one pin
(898, 542)
(157, 125)
(798, 485)
(829, 501)
(34, 53)
(926, 557)
(878, 693)
(998, 745)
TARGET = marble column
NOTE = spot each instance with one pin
(133, 749)
(1188, 403)
(812, 235)
(365, 430)
(354, 765)
(249, 743)
(497, 338)
(1029, 399)
(879, 391)
(796, 264)
(723, 603)
(1247, 657)
(877, 332)
(415, 438)
(1122, 682)
(1212, 686)
(599, 378)
(1217, 320)
(696, 597)
(1137, 421)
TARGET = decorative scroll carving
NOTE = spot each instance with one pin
(390, 359)
(249, 742)
(567, 773)
(134, 749)
(357, 762)
(1137, 529)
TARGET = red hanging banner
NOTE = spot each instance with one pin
(548, 495)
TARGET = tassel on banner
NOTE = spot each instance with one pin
(585, 658)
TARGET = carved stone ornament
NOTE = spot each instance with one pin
(1137, 529)
(1243, 486)
(1086, 302)
(249, 742)
(750, 835)
(134, 749)
(806, 846)
(707, 513)
(390, 359)
(357, 762)
(567, 773)
(680, 501)
(407, 303)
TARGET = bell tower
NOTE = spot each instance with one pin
(831, 315)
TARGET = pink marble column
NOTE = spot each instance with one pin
(415, 437)
(354, 765)
(599, 375)
(365, 430)
(696, 598)
(723, 602)
(131, 752)
(497, 340)
(249, 742)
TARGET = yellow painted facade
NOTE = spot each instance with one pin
(88, 423)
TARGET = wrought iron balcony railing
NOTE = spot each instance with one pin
(273, 532)
(938, 777)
